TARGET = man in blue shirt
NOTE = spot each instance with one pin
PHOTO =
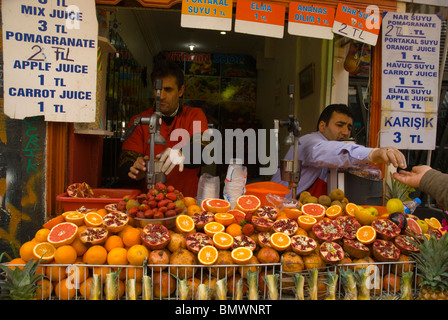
(321, 150)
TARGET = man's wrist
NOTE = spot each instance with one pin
(370, 155)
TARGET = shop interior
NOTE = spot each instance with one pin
(341, 73)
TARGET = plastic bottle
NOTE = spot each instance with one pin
(235, 183)
(410, 206)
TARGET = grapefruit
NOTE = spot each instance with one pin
(414, 226)
(62, 234)
(237, 214)
(314, 209)
(216, 205)
(248, 203)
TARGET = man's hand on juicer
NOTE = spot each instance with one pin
(138, 169)
(171, 158)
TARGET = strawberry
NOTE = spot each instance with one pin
(160, 196)
(171, 195)
(248, 229)
(170, 189)
(160, 186)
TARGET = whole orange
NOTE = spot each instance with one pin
(137, 254)
(131, 237)
(117, 256)
(95, 255)
(65, 255)
(112, 242)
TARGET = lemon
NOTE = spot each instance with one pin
(423, 225)
(364, 217)
(394, 205)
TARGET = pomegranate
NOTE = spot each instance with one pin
(327, 230)
(202, 218)
(349, 226)
(287, 226)
(262, 224)
(331, 252)
(263, 239)
(94, 235)
(385, 229)
(355, 249)
(115, 221)
(161, 256)
(244, 241)
(269, 212)
(195, 241)
(155, 236)
(406, 244)
(303, 245)
(164, 284)
(385, 251)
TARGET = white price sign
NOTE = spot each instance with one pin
(50, 59)
(410, 77)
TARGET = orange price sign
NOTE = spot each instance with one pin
(260, 18)
(207, 14)
(363, 26)
(310, 20)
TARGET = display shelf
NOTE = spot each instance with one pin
(94, 132)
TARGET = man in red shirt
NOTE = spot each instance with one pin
(135, 149)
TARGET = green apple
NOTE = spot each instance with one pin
(373, 211)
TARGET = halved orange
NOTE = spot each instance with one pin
(74, 217)
(213, 227)
(280, 241)
(241, 255)
(93, 219)
(248, 203)
(306, 222)
(224, 218)
(366, 234)
(216, 205)
(292, 213)
(351, 208)
(433, 223)
(222, 240)
(333, 211)
(208, 255)
(184, 223)
(44, 251)
(315, 210)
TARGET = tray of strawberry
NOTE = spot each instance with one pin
(161, 204)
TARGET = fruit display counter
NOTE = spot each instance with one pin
(161, 245)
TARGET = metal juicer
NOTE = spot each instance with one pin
(290, 169)
(153, 173)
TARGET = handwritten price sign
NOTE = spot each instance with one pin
(49, 54)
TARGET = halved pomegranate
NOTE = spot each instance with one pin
(269, 212)
(202, 218)
(331, 252)
(262, 224)
(195, 241)
(385, 251)
(244, 241)
(327, 230)
(94, 235)
(115, 221)
(355, 249)
(287, 226)
(303, 245)
(386, 229)
(349, 226)
(263, 239)
(406, 244)
(155, 236)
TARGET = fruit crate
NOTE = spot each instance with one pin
(379, 273)
(209, 275)
(78, 278)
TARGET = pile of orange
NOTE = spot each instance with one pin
(58, 244)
